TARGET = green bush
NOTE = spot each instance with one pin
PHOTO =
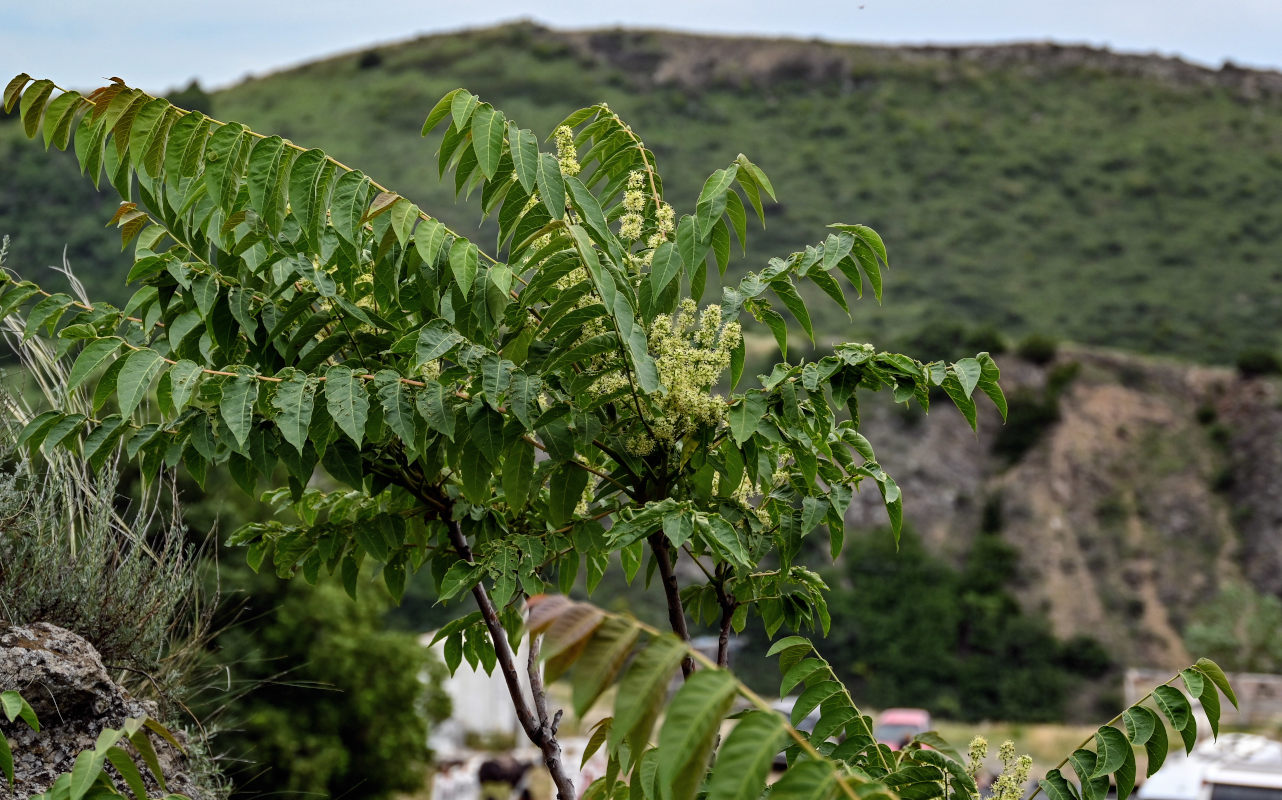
(1037, 348)
(335, 705)
(1258, 362)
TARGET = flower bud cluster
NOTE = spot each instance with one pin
(975, 756)
(690, 356)
(631, 222)
(567, 155)
(1010, 784)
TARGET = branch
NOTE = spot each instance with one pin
(672, 593)
(537, 729)
(728, 606)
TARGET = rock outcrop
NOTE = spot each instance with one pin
(1155, 484)
(61, 675)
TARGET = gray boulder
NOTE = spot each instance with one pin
(62, 676)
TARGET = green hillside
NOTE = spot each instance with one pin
(1121, 201)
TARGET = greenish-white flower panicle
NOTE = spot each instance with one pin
(975, 756)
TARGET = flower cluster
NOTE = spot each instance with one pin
(1009, 785)
(633, 206)
(566, 153)
(690, 356)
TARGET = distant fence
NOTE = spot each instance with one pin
(1259, 696)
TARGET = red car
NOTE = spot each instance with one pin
(897, 726)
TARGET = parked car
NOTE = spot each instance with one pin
(1242, 782)
(897, 726)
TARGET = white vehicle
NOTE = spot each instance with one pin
(1208, 773)
(1242, 782)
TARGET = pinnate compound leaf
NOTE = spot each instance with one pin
(690, 730)
(551, 185)
(518, 473)
(746, 415)
(525, 156)
(568, 636)
(744, 760)
(1211, 707)
(464, 263)
(15, 707)
(1124, 776)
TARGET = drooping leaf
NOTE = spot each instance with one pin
(487, 138)
(134, 380)
(690, 730)
(294, 402)
(745, 758)
(237, 404)
(95, 355)
(347, 402)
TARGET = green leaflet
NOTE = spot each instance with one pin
(525, 156)
(294, 400)
(347, 402)
(487, 138)
(518, 473)
(1111, 748)
(32, 106)
(397, 400)
(564, 490)
(690, 730)
(347, 206)
(222, 170)
(746, 415)
(1212, 670)
(641, 693)
(464, 263)
(805, 780)
(744, 760)
(602, 660)
(134, 379)
(237, 404)
(1139, 724)
(551, 185)
(95, 355)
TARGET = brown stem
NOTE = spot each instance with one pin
(537, 729)
(552, 753)
(723, 638)
(672, 593)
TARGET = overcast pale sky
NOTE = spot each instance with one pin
(158, 44)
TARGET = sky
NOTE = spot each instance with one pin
(162, 44)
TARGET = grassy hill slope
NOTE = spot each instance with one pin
(1125, 201)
